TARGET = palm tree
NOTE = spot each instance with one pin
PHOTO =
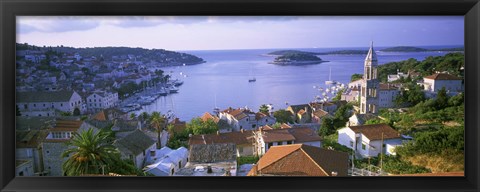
(157, 121)
(89, 153)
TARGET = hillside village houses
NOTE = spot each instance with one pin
(285, 160)
(165, 161)
(48, 103)
(435, 82)
(135, 146)
(102, 100)
(370, 140)
(244, 118)
(54, 144)
(210, 160)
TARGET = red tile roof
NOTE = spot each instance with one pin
(300, 134)
(285, 160)
(442, 76)
(375, 131)
(239, 138)
(320, 113)
(277, 135)
(66, 125)
(260, 115)
(206, 116)
(386, 86)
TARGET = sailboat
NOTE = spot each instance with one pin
(330, 82)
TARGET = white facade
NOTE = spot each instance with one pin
(387, 98)
(48, 107)
(166, 164)
(101, 100)
(435, 85)
(365, 147)
(246, 121)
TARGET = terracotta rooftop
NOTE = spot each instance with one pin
(284, 160)
(374, 132)
(304, 134)
(300, 134)
(237, 137)
(66, 125)
(442, 76)
(277, 135)
(260, 115)
(320, 113)
(386, 86)
(206, 116)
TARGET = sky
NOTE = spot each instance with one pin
(239, 32)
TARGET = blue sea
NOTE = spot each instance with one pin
(223, 80)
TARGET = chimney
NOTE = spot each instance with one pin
(241, 130)
(334, 173)
(218, 132)
(209, 169)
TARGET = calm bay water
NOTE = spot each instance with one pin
(223, 80)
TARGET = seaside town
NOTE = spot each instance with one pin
(75, 117)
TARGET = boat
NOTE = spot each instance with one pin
(162, 92)
(330, 82)
(252, 79)
(172, 89)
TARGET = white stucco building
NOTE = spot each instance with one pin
(102, 100)
(435, 82)
(45, 103)
(387, 94)
(276, 137)
(367, 140)
(243, 118)
(165, 161)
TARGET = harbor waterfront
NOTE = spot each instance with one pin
(223, 81)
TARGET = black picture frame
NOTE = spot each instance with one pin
(11, 8)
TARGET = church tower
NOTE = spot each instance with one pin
(369, 91)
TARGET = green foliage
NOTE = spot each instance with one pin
(390, 164)
(125, 167)
(393, 165)
(355, 77)
(327, 127)
(330, 141)
(197, 126)
(89, 153)
(338, 97)
(297, 57)
(128, 88)
(341, 115)
(247, 160)
(442, 99)
(410, 97)
(283, 116)
(65, 114)
(451, 62)
(264, 109)
(447, 138)
(133, 115)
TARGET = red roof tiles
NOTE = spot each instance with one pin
(285, 160)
